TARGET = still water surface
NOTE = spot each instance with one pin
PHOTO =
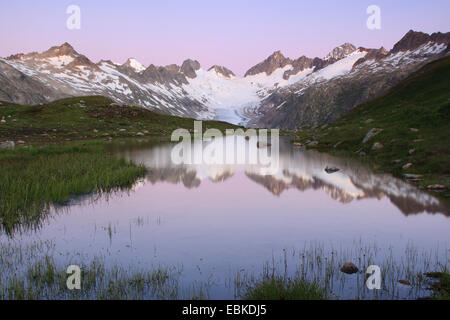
(216, 220)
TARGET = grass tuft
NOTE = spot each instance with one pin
(277, 288)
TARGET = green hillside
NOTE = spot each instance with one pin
(88, 118)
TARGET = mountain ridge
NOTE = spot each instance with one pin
(269, 95)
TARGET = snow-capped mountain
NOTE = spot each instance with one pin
(328, 93)
(278, 92)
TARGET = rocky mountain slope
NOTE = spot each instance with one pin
(327, 94)
(403, 132)
(278, 92)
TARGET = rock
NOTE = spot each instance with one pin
(411, 176)
(95, 130)
(411, 151)
(407, 166)
(330, 170)
(122, 130)
(146, 131)
(20, 142)
(372, 132)
(396, 161)
(349, 268)
(368, 121)
(248, 138)
(139, 134)
(313, 143)
(413, 130)
(436, 187)
(405, 282)
(337, 144)
(261, 144)
(7, 145)
(377, 146)
(3, 121)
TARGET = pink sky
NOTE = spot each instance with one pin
(236, 34)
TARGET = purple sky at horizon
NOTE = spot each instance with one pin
(235, 34)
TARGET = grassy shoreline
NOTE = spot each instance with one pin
(34, 177)
(52, 151)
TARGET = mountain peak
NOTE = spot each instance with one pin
(222, 71)
(63, 50)
(189, 67)
(134, 64)
(411, 40)
(414, 39)
(341, 52)
(275, 61)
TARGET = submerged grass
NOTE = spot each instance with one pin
(45, 280)
(441, 288)
(38, 271)
(277, 288)
(32, 178)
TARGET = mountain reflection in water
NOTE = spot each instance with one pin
(298, 169)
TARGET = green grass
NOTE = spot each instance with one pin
(31, 178)
(64, 120)
(420, 102)
(441, 288)
(277, 288)
(46, 166)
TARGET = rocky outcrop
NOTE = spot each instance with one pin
(372, 54)
(413, 40)
(268, 66)
(222, 70)
(189, 68)
(341, 52)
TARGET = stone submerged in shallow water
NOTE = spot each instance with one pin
(436, 187)
(349, 268)
(330, 170)
(412, 176)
